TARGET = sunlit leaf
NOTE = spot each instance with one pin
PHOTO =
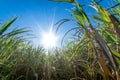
(7, 25)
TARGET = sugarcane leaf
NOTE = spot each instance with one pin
(106, 50)
(59, 23)
(117, 54)
(7, 25)
(101, 11)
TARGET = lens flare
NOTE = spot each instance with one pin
(49, 40)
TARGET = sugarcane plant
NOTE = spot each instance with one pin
(10, 42)
(103, 41)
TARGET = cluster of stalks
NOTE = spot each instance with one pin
(93, 55)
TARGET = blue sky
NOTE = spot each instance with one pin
(38, 14)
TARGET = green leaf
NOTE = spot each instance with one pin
(7, 25)
(116, 53)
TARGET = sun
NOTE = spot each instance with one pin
(49, 40)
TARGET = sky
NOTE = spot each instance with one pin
(39, 15)
(36, 14)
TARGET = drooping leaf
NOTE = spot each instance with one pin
(106, 50)
(59, 23)
(116, 24)
(101, 11)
